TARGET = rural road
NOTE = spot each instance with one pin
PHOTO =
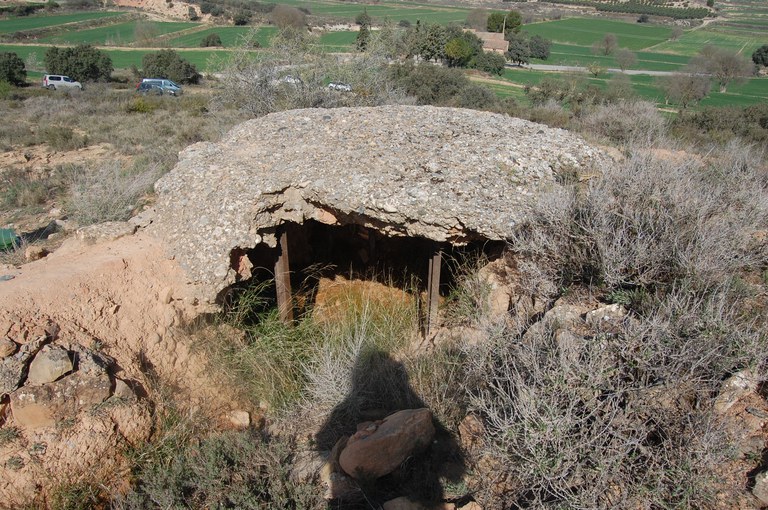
(544, 67)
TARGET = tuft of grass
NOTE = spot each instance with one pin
(278, 364)
(109, 192)
(61, 138)
(81, 495)
(9, 435)
(22, 191)
(235, 469)
(14, 256)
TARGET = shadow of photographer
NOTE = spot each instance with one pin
(379, 387)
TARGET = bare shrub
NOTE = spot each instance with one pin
(22, 190)
(614, 421)
(293, 74)
(625, 122)
(61, 138)
(654, 219)
(109, 192)
(285, 16)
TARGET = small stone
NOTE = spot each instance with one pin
(123, 391)
(240, 419)
(608, 314)
(7, 347)
(33, 253)
(472, 505)
(50, 363)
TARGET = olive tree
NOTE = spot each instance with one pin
(169, 64)
(12, 69)
(684, 89)
(83, 62)
(760, 56)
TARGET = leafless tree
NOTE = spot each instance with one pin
(285, 16)
(606, 46)
(685, 89)
(478, 19)
(625, 58)
(725, 66)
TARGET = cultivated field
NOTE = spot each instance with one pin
(127, 40)
(36, 22)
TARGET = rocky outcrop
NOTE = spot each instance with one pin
(69, 414)
(444, 174)
(378, 448)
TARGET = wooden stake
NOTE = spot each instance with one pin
(433, 291)
(283, 281)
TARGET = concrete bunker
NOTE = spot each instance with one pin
(389, 187)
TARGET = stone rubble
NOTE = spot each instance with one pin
(445, 174)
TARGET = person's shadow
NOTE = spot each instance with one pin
(380, 387)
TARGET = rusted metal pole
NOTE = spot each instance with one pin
(283, 281)
(433, 291)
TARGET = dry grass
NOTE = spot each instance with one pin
(109, 192)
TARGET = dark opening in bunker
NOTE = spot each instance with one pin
(354, 252)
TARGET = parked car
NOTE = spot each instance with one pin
(167, 86)
(149, 89)
(289, 80)
(58, 81)
(341, 87)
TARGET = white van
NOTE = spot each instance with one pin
(57, 81)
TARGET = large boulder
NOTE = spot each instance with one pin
(378, 448)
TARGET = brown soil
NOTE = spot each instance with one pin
(163, 9)
(126, 297)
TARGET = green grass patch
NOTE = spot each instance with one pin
(338, 41)
(754, 91)
(35, 22)
(230, 36)
(691, 42)
(587, 31)
(393, 11)
(567, 54)
(115, 35)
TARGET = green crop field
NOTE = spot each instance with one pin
(381, 11)
(754, 91)
(115, 35)
(33, 22)
(693, 41)
(586, 31)
(566, 54)
(338, 41)
(230, 36)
